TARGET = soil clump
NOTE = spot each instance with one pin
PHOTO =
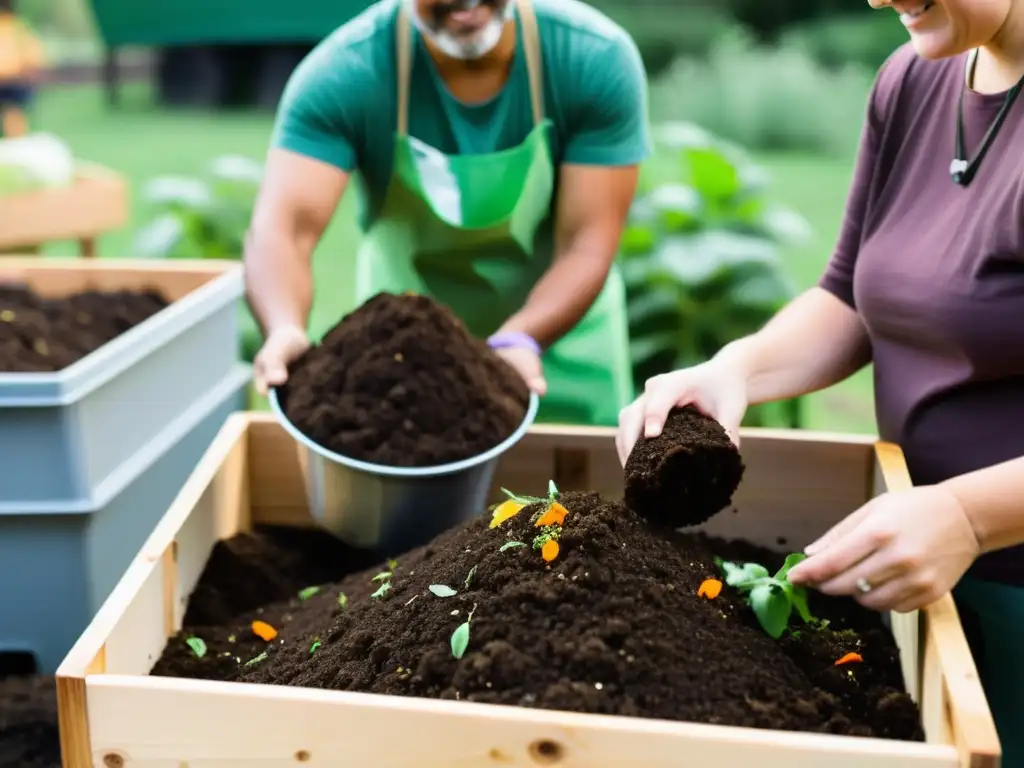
(402, 382)
(613, 623)
(685, 475)
(43, 335)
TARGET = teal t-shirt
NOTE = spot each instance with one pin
(340, 106)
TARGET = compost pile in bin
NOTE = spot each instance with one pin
(29, 734)
(571, 602)
(401, 382)
(41, 334)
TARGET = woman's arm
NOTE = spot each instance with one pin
(812, 343)
(993, 499)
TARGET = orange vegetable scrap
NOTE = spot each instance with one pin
(850, 658)
(263, 630)
(549, 551)
(504, 511)
(555, 515)
(709, 588)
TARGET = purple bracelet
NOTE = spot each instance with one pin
(514, 339)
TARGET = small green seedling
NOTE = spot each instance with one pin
(469, 576)
(510, 545)
(257, 660)
(460, 637)
(772, 598)
(442, 590)
(382, 576)
(392, 565)
(312, 649)
(308, 592)
(198, 646)
(527, 500)
(342, 600)
(383, 590)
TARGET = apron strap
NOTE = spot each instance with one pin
(531, 45)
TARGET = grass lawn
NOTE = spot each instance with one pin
(143, 142)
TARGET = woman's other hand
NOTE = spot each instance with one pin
(717, 387)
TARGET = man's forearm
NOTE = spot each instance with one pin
(278, 280)
(993, 499)
(814, 342)
(561, 298)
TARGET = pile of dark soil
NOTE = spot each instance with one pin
(42, 335)
(685, 475)
(29, 737)
(401, 382)
(612, 622)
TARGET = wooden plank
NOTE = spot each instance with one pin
(96, 202)
(942, 675)
(60, 277)
(168, 723)
(277, 493)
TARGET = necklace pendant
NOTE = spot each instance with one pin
(957, 169)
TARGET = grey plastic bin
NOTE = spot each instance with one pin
(67, 439)
(57, 566)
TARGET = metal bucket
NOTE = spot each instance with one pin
(394, 509)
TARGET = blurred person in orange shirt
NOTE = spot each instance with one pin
(21, 61)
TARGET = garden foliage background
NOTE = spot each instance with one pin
(758, 106)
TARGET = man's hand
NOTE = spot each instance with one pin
(528, 364)
(283, 347)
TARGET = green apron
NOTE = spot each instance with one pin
(466, 229)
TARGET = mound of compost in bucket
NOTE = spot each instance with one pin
(615, 621)
(401, 382)
(42, 335)
(685, 475)
(29, 735)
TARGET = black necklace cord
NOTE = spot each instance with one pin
(961, 170)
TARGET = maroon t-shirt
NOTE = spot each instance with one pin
(936, 272)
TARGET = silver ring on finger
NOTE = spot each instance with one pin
(863, 585)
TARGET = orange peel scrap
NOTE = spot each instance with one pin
(504, 511)
(554, 515)
(709, 588)
(549, 551)
(850, 658)
(264, 631)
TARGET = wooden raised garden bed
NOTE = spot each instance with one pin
(96, 203)
(114, 713)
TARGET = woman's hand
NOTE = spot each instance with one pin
(283, 347)
(717, 387)
(900, 551)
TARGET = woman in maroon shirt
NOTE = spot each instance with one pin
(926, 282)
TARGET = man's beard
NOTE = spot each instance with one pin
(474, 46)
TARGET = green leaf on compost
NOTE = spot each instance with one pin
(308, 592)
(442, 591)
(469, 577)
(525, 500)
(383, 590)
(392, 565)
(343, 600)
(460, 637)
(743, 576)
(312, 649)
(772, 608)
(510, 545)
(256, 660)
(382, 576)
(791, 561)
(460, 640)
(198, 646)
(552, 489)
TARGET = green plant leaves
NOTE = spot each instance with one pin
(511, 545)
(442, 590)
(772, 608)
